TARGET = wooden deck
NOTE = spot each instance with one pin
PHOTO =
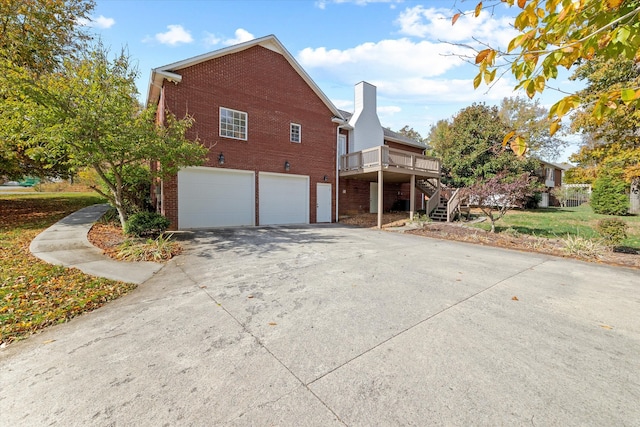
(383, 158)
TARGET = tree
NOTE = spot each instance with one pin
(561, 33)
(614, 141)
(530, 120)
(35, 36)
(495, 196)
(471, 150)
(409, 132)
(439, 139)
(90, 111)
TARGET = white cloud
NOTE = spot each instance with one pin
(175, 35)
(443, 90)
(435, 24)
(211, 39)
(241, 36)
(385, 59)
(101, 22)
(389, 110)
(322, 4)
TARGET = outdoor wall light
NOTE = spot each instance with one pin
(287, 165)
(221, 159)
(325, 178)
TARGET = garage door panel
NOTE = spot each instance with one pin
(284, 199)
(212, 197)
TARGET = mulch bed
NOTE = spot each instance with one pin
(106, 237)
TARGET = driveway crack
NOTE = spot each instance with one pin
(261, 344)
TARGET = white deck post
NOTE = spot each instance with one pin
(380, 197)
(412, 197)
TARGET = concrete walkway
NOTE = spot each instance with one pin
(65, 243)
(333, 325)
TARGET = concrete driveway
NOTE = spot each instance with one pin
(330, 325)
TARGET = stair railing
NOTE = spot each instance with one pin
(433, 202)
(453, 205)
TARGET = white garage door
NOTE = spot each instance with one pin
(213, 197)
(284, 199)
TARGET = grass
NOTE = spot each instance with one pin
(34, 294)
(562, 222)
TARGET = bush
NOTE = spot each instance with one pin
(612, 230)
(609, 195)
(533, 202)
(146, 224)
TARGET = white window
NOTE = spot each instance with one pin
(296, 132)
(233, 124)
(550, 175)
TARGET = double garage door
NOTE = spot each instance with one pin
(214, 197)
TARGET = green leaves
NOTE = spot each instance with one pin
(561, 33)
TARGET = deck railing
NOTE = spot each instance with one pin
(386, 157)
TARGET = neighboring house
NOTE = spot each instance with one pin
(279, 151)
(551, 175)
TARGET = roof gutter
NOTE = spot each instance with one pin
(158, 75)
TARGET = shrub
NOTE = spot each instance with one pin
(612, 230)
(146, 224)
(609, 195)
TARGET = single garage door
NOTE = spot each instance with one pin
(284, 199)
(214, 197)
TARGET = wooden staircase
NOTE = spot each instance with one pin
(443, 204)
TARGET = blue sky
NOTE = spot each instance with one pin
(403, 47)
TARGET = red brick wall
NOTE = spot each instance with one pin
(355, 196)
(262, 84)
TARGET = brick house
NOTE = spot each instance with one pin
(550, 174)
(279, 152)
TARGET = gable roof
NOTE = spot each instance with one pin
(561, 166)
(170, 71)
(390, 135)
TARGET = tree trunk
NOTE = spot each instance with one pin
(634, 196)
(122, 214)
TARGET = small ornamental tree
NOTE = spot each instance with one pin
(89, 112)
(496, 195)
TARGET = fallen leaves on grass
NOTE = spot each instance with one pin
(34, 294)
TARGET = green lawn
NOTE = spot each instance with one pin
(34, 294)
(558, 222)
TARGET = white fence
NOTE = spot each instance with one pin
(572, 195)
